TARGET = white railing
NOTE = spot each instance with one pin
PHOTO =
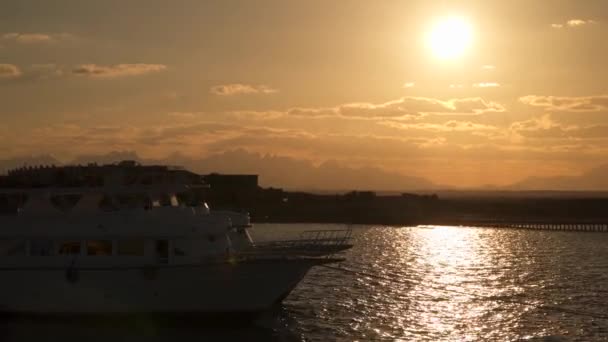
(311, 242)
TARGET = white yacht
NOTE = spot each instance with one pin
(119, 248)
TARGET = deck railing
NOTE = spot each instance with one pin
(311, 242)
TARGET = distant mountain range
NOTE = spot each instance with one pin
(595, 179)
(291, 173)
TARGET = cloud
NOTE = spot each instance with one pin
(36, 38)
(46, 71)
(233, 115)
(29, 73)
(255, 115)
(9, 71)
(70, 138)
(573, 23)
(404, 107)
(488, 67)
(465, 106)
(117, 70)
(593, 103)
(544, 127)
(449, 126)
(182, 115)
(486, 85)
(312, 112)
(538, 127)
(241, 89)
(409, 85)
(578, 22)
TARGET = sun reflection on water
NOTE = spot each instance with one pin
(454, 277)
(437, 283)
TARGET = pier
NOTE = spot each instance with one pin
(585, 226)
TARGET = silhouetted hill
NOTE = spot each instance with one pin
(595, 179)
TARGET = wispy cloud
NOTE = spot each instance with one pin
(182, 115)
(578, 22)
(409, 85)
(594, 103)
(449, 126)
(9, 71)
(46, 71)
(35, 38)
(115, 71)
(404, 107)
(486, 85)
(544, 127)
(488, 67)
(573, 23)
(241, 89)
(32, 72)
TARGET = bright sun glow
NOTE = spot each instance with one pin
(450, 38)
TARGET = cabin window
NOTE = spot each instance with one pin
(131, 247)
(41, 247)
(162, 251)
(99, 247)
(70, 247)
(181, 246)
(12, 247)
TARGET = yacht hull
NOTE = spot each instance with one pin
(243, 287)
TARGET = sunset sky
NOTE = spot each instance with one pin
(462, 93)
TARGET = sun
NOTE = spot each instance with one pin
(450, 38)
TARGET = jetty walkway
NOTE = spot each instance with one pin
(557, 225)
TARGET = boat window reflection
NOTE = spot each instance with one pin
(99, 247)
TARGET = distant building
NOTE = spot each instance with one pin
(126, 172)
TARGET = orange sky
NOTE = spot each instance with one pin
(347, 81)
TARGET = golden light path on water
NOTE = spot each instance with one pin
(447, 253)
(455, 284)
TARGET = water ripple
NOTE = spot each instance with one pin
(456, 284)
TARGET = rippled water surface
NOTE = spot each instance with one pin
(456, 284)
(419, 284)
